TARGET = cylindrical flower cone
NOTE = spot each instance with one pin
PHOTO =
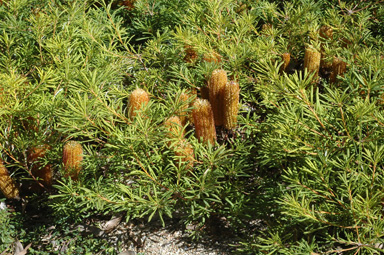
(192, 97)
(184, 150)
(174, 127)
(287, 59)
(72, 159)
(137, 99)
(204, 122)
(42, 172)
(7, 185)
(339, 67)
(231, 104)
(216, 87)
(312, 60)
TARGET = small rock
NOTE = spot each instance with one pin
(127, 253)
(3, 206)
(20, 250)
(111, 224)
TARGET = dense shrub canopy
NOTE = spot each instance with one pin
(305, 161)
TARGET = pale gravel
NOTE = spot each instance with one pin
(152, 239)
(146, 238)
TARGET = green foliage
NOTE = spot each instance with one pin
(7, 231)
(302, 172)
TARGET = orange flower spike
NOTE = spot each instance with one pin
(204, 122)
(231, 104)
(216, 87)
(339, 67)
(72, 159)
(312, 60)
(287, 59)
(44, 173)
(137, 99)
(7, 185)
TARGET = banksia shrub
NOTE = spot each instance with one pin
(231, 104)
(7, 185)
(312, 60)
(72, 159)
(287, 59)
(216, 85)
(204, 122)
(42, 172)
(338, 68)
(137, 99)
(307, 161)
